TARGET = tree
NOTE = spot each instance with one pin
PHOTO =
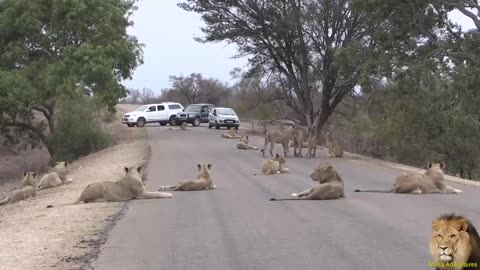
(52, 50)
(188, 87)
(310, 47)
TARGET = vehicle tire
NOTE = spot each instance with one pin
(130, 124)
(172, 121)
(162, 123)
(196, 122)
(141, 122)
(236, 127)
(217, 127)
(209, 126)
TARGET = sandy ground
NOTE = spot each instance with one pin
(34, 237)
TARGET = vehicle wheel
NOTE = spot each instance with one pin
(130, 124)
(236, 127)
(172, 121)
(209, 126)
(217, 127)
(163, 123)
(141, 122)
(196, 122)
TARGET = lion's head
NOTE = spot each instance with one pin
(438, 166)
(204, 171)
(454, 239)
(244, 139)
(29, 179)
(280, 159)
(322, 173)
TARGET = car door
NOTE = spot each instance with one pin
(212, 116)
(204, 113)
(150, 113)
(162, 113)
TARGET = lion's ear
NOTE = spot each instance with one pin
(24, 174)
(140, 169)
(199, 167)
(209, 165)
(461, 225)
(435, 225)
(34, 174)
(443, 165)
(126, 169)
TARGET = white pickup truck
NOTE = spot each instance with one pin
(162, 113)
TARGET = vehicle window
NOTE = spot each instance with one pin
(142, 108)
(160, 108)
(174, 107)
(214, 112)
(226, 111)
(193, 108)
(152, 109)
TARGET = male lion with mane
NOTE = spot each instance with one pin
(454, 243)
(432, 181)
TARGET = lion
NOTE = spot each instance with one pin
(231, 134)
(334, 148)
(27, 190)
(56, 177)
(280, 136)
(298, 140)
(243, 145)
(128, 188)
(454, 243)
(203, 182)
(274, 165)
(183, 126)
(311, 146)
(330, 186)
(432, 181)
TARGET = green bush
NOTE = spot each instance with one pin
(78, 131)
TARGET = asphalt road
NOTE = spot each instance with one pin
(237, 227)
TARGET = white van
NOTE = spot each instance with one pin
(162, 113)
(223, 117)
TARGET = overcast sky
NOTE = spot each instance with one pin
(168, 31)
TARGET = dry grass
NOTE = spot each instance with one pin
(34, 237)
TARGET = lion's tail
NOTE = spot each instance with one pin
(288, 199)
(377, 191)
(78, 200)
(168, 188)
(4, 201)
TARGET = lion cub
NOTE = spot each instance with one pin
(27, 190)
(454, 240)
(312, 146)
(334, 148)
(243, 145)
(330, 186)
(203, 182)
(56, 177)
(231, 134)
(274, 165)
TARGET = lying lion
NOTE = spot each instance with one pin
(274, 165)
(27, 190)
(56, 177)
(243, 145)
(130, 187)
(231, 134)
(432, 181)
(454, 241)
(330, 186)
(183, 126)
(203, 182)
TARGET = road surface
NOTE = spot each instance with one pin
(237, 227)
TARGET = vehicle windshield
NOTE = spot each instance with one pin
(225, 112)
(194, 108)
(143, 108)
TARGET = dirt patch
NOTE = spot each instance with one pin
(65, 237)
